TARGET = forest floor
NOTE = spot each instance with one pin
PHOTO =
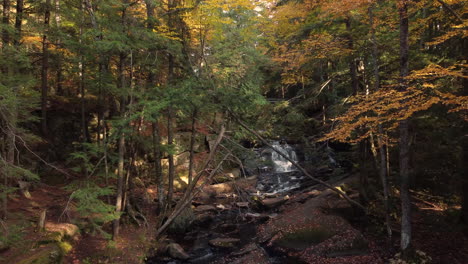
(436, 232)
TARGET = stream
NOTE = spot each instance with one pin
(226, 228)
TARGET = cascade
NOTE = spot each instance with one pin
(281, 164)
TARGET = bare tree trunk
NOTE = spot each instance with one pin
(171, 4)
(170, 156)
(192, 145)
(382, 146)
(189, 192)
(121, 147)
(406, 230)
(45, 69)
(157, 165)
(59, 88)
(464, 143)
(352, 63)
(5, 22)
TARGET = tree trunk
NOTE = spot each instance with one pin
(406, 231)
(59, 88)
(352, 63)
(382, 146)
(192, 145)
(121, 149)
(45, 69)
(5, 22)
(157, 165)
(464, 143)
(18, 22)
(170, 156)
(171, 4)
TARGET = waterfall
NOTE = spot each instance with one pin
(282, 164)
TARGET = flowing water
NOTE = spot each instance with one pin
(277, 176)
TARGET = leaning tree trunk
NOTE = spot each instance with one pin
(404, 144)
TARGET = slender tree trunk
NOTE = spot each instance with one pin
(352, 63)
(45, 69)
(5, 43)
(5, 22)
(464, 142)
(406, 230)
(192, 146)
(171, 78)
(171, 173)
(382, 146)
(59, 88)
(18, 22)
(121, 147)
(157, 165)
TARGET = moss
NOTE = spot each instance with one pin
(65, 247)
(51, 254)
(304, 238)
(52, 237)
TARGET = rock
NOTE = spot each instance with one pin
(205, 208)
(253, 215)
(46, 254)
(182, 222)
(242, 204)
(234, 173)
(3, 246)
(274, 202)
(224, 242)
(251, 254)
(176, 251)
(220, 207)
(62, 229)
(203, 219)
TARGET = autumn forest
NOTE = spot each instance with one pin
(233, 131)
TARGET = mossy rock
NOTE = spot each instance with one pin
(304, 238)
(51, 237)
(47, 254)
(182, 222)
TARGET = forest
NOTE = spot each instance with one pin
(233, 131)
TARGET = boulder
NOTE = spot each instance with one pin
(274, 202)
(183, 221)
(176, 251)
(242, 204)
(205, 208)
(61, 230)
(224, 242)
(46, 254)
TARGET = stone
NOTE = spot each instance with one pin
(46, 254)
(274, 202)
(183, 221)
(253, 215)
(242, 204)
(176, 251)
(224, 242)
(203, 219)
(62, 229)
(234, 173)
(205, 208)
